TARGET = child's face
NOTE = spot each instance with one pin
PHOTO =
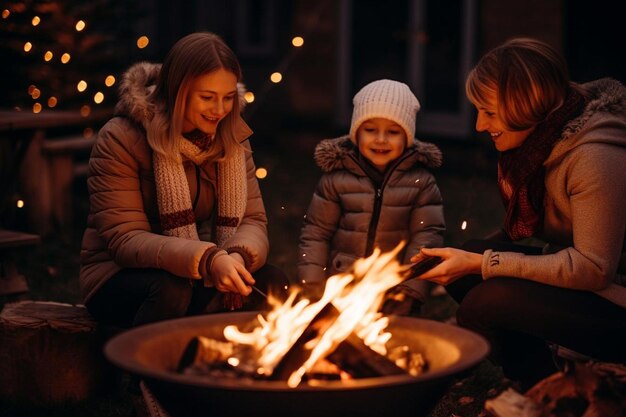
(381, 141)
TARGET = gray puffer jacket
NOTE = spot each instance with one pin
(349, 215)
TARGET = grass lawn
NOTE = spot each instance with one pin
(52, 268)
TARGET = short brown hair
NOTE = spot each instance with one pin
(528, 77)
(192, 56)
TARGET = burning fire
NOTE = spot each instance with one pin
(356, 296)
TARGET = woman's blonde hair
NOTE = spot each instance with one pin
(528, 78)
(192, 56)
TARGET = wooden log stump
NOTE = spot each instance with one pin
(51, 353)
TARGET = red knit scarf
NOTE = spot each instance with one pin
(521, 172)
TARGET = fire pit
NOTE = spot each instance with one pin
(153, 351)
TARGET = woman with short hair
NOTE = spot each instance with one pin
(562, 180)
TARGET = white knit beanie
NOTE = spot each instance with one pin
(387, 99)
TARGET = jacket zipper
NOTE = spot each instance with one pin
(378, 202)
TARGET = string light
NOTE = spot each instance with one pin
(52, 102)
(20, 203)
(249, 96)
(87, 133)
(28, 46)
(6, 13)
(35, 21)
(35, 93)
(31, 88)
(109, 81)
(85, 111)
(48, 56)
(464, 225)
(142, 42)
(297, 41)
(276, 77)
(81, 86)
(261, 173)
(36, 108)
(98, 97)
(80, 25)
(65, 58)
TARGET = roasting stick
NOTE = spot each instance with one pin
(259, 291)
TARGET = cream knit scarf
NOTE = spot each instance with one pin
(174, 198)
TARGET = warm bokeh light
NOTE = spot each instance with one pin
(36, 93)
(109, 81)
(85, 111)
(249, 96)
(81, 86)
(20, 203)
(35, 20)
(464, 225)
(261, 173)
(98, 97)
(297, 41)
(5, 13)
(52, 102)
(80, 25)
(142, 42)
(31, 88)
(37, 107)
(87, 133)
(276, 77)
(65, 58)
(28, 46)
(48, 56)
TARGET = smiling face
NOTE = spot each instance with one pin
(489, 121)
(381, 141)
(210, 98)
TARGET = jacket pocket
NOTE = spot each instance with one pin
(342, 262)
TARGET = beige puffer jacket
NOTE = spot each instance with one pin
(123, 229)
(349, 216)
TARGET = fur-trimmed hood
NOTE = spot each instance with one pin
(138, 84)
(339, 153)
(603, 119)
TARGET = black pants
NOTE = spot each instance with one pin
(518, 317)
(136, 296)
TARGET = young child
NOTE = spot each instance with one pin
(376, 191)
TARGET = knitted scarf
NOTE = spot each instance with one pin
(174, 198)
(521, 172)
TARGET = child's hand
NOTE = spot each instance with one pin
(230, 275)
(455, 264)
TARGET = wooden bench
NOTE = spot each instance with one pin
(64, 168)
(11, 282)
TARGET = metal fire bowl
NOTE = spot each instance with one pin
(153, 351)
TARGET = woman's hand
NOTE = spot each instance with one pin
(229, 274)
(455, 264)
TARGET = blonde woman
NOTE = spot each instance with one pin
(177, 224)
(562, 180)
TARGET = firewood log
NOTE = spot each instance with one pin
(351, 355)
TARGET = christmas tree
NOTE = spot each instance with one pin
(65, 54)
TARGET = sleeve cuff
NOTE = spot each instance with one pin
(207, 261)
(247, 258)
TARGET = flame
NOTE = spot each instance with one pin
(357, 296)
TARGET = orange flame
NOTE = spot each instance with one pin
(357, 295)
